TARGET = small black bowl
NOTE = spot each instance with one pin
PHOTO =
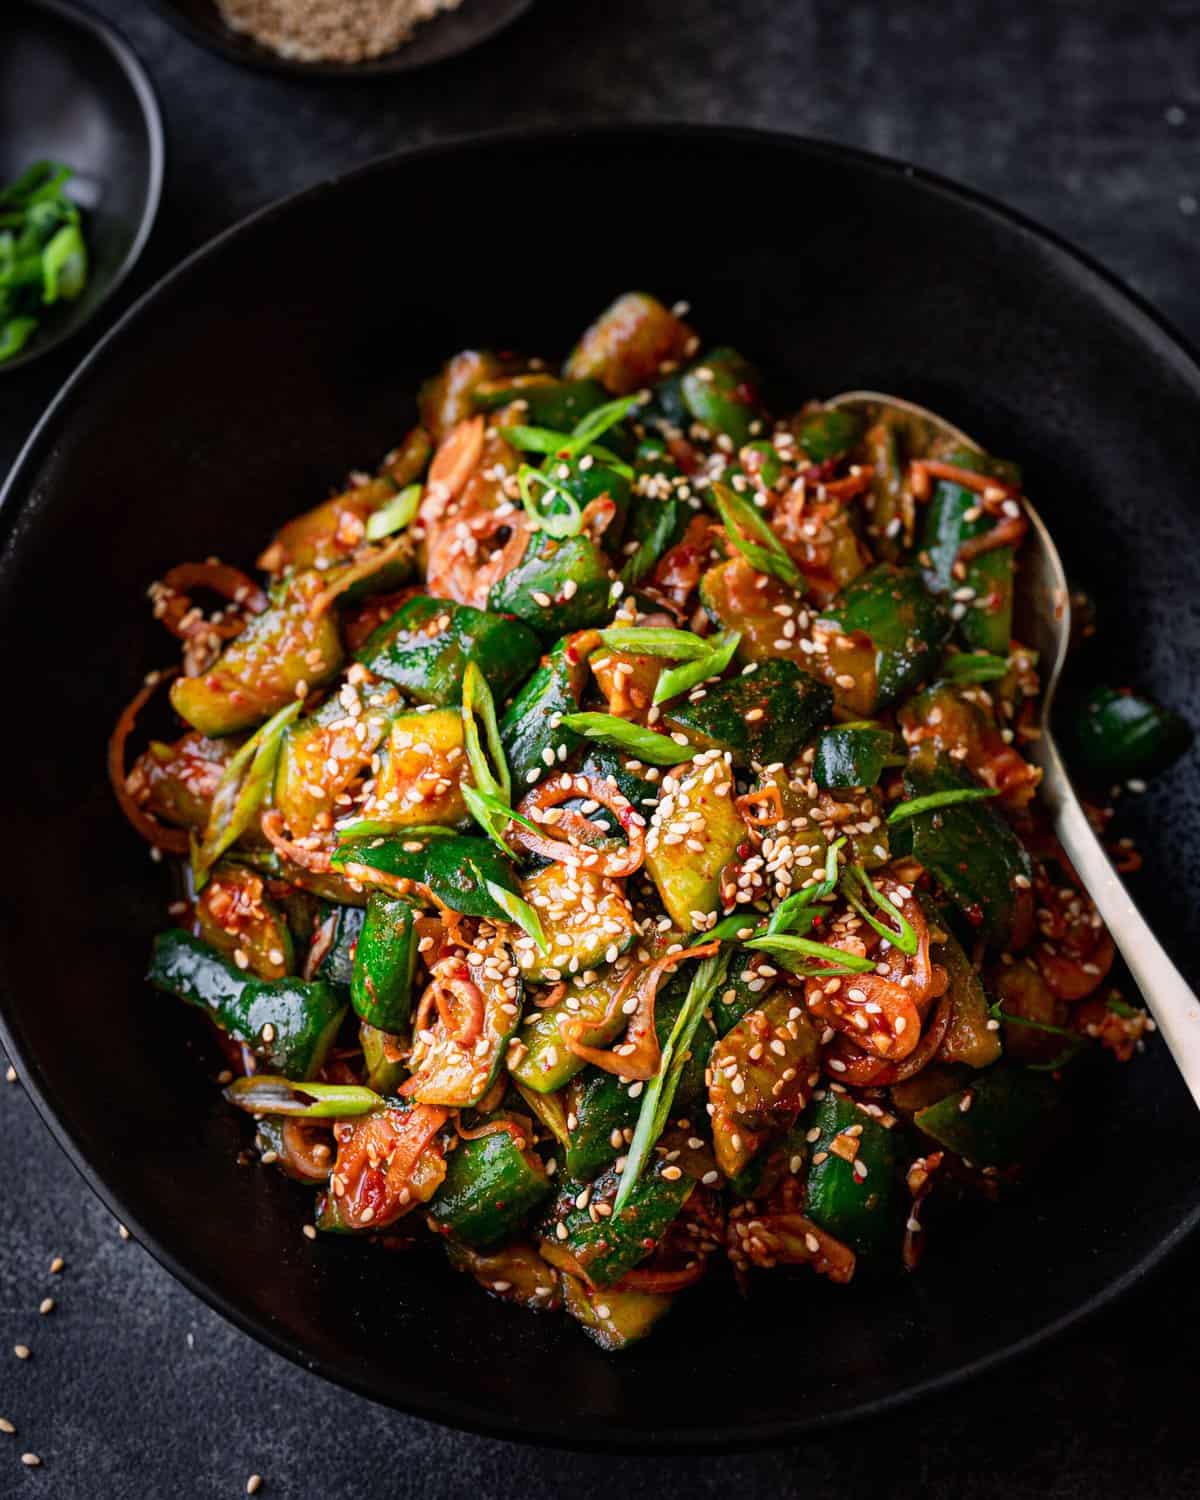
(288, 351)
(433, 41)
(72, 90)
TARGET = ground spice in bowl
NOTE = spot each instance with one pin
(346, 31)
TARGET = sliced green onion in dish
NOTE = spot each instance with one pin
(366, 828)
(555, 511)
(856, 884)
(656, 640)
(518, 910)
(978, 666)
(489, 800)
(798, 907)
(690, 674)
(266, 1094)
(785, 946)
(933, 800)
(241, 791)
(399, 512)
(606, 729)
(660, 1091)
(762, 549)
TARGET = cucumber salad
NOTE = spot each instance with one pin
(605, 846)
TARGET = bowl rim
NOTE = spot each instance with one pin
(253, 54)
(113, 39)
(448, 1409)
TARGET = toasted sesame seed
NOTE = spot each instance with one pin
(254, 1484)
(46, 1305)
(22, 1351)
(30, 1460)
(6, 1425)
(10, 1075)
(310, 1232)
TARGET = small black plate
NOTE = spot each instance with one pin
(288, 351)
(433, 41)
(72, 90)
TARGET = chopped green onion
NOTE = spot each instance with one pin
(607, 729)
(557, 522)
(727, 929)
(519, 911)
(365, 828)
(493, 814)
(798, 906)
(490, 771)
(931, 802)
(856, 880)
(601, 418)
(763, 551)
(660, 1090)
(557, 445)
(979, 666)
(399, 512)
(691, 673)
(241, 791)
(784, 945)
(654, 640)
(266, 1094)
(64, 265)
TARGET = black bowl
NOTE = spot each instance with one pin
(73, 90)
(433, 41)
(288, 351)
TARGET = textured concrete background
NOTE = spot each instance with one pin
(1085, 115)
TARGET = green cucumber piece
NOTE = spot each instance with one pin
(454, 867)
(491, 1184)
(556, 404)
(760, 719)
(689, 878)
(384, 962)
(259, 671)
(862, 1211)
(828, 434)
(605, 1248)
(627, 345)
(383, 1057)
(529, 727)
(425, 647)
(720, 392)
(973, 852)
(288, 1023)
(340, 930)
(614, 1320)
(907, 627)
(997, 1119)
(851, 757)
(1117, 734)
(954, 514)
(584, 917)
(547, 571)
(600, 1102)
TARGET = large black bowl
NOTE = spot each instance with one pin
(242, 389)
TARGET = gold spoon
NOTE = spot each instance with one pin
(1043, 606)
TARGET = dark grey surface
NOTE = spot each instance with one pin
(1085, 116)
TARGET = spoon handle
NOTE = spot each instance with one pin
(1171, 1000)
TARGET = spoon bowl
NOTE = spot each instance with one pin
(1042, 608)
